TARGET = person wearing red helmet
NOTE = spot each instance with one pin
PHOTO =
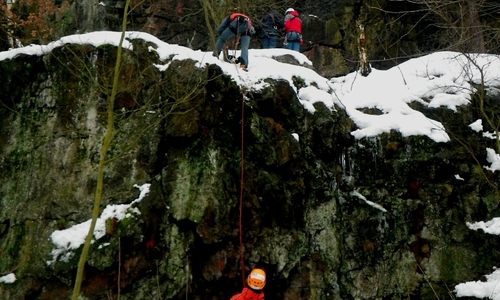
(255, 285)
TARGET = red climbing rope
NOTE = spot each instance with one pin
(242, 250)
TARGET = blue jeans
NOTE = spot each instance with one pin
(269, 42)
(294, 46)
(244, 43)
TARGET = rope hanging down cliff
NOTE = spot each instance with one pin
(242, 249)
(242, 178)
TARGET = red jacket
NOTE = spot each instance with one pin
(294, 23)
(248, 294)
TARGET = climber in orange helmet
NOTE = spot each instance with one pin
(256, 282)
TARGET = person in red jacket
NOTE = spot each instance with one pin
(256, 282)
(293, 30)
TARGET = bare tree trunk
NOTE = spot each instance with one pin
(461, 19)
(474, 28)
(102, 162)
(9, 32)
(365, 68)
(209, 16)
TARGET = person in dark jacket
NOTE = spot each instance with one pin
(256, 282)
(293, 30)
(271, 25)
(239, 25)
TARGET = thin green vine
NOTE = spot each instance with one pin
(102, 162)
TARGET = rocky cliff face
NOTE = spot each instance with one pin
(304, 215)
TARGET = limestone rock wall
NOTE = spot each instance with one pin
(305, 218)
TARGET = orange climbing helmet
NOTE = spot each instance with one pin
(257, 279)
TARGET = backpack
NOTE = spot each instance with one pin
(270, 21)
(240, 24)
(269, 27)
